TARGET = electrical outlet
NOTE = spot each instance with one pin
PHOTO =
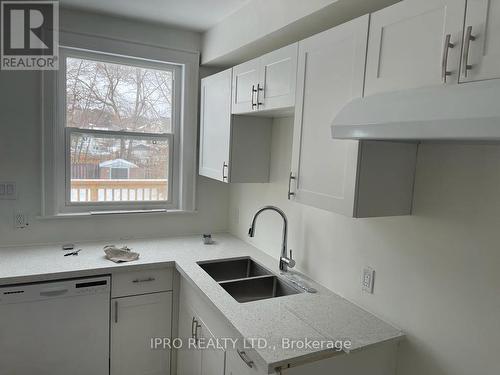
(20, 220)
(368, 280)
(8, 190)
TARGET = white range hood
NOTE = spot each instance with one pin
(468, 111)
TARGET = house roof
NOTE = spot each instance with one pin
(117, 163)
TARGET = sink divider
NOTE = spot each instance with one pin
(245, 278)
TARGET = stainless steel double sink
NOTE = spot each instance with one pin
(246, 280)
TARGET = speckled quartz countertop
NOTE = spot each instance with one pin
(320, 316)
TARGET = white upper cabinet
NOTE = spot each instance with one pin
(245, 82)
(215, 131)
(330, 74)
(481, 52)
(278, 77)
(359, 179)
(408, 45)
(232, 148)
(266, 83)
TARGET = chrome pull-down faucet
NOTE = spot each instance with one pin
(285, 261)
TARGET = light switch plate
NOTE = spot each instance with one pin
(8, 190)
(368, 279)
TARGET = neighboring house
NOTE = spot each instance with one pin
(142, 151)
(117, 169)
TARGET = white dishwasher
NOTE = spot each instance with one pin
(55, 328)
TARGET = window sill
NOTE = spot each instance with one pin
(127, 213)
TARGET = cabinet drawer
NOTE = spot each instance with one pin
(141, 282)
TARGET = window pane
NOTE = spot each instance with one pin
(118, 169)
(117, 97)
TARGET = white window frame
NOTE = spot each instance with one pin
(56, 189)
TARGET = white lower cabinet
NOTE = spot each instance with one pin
(135, 321)
(200, 320)
(239, 363)
(198, 356)
(141, 309)
(212, 358)
(189, 356)
(376, 360)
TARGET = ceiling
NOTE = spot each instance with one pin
(198, 15)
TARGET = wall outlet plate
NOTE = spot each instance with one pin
(368, 280)
(20, 219)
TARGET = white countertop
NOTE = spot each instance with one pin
(320, 316)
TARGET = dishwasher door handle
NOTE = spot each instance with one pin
(53, 292)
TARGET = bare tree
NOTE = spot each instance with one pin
(116, 97)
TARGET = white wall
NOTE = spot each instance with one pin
(20, 128)
(126, 29)
(262, 26)
(436, 271)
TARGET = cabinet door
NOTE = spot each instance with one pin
(483, 56)
(278, 76)
(245, 81)
(212, 359)
(135, 321)
(237, 365)
(189, 356)
(330, 74)
(215, 125)
(407, 43)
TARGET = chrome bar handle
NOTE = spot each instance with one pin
(444, 62)
(149, 279)
(290, 178)
(194, 324)
(254, 90)
(224, 166)
(259, 89)
(245, 358)
(196, 332)
(465, 62)
(53, 292)
(116, 311)
(194, 329)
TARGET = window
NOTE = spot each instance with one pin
(119, 128)
(120, 135)
(119, 131)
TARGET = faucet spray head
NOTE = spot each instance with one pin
(251, 232)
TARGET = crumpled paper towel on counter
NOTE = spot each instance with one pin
(120, 254)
